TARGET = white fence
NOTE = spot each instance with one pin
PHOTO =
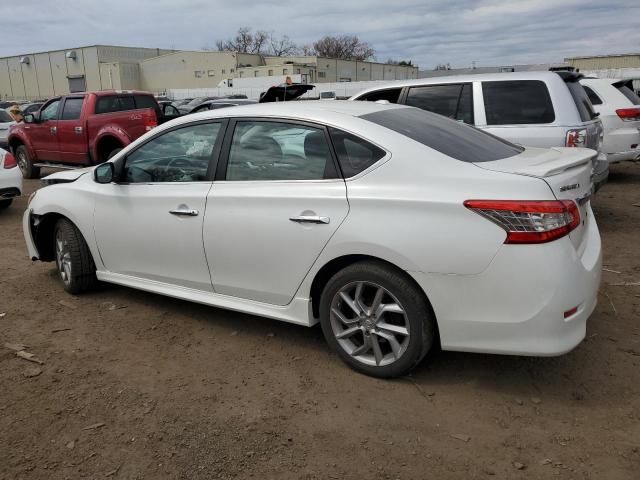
(342, 89)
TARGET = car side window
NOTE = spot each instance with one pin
(181, 155)
(595, 99)
(454, 101)
(72, 108)
(279, 151)
(517, 102)
(391, 95)
(354, 154)
(50, 112)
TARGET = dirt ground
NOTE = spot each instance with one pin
(135, 385)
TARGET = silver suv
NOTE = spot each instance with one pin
(537, 109)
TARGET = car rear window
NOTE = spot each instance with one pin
(580, 98)
(517, 102)
(627, 92)
(5, 117)
(455, 139)
(115, 103)
(595, 99)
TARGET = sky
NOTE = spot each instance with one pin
(428, 32)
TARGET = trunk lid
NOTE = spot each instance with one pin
(567, 171)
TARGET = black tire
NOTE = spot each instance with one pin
(81, 273)
(4, 204)
(417, 314)
(26, 164)
(113, 152)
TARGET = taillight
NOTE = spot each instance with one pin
(150, 122)
(529, 221)
(10, 161)
(576, 138)
(628, 114)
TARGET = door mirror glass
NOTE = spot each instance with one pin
(104, 173)
(170, 111)
(29, 118)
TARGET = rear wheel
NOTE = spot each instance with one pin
(26, 164)
(376, 319)
(5, 203)
(73, 258)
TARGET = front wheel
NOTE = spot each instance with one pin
(376, 319)
(73, 258)
(26, 163)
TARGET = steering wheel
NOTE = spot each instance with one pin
(178, 164)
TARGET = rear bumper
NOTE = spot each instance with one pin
(517, 305)
(10, 182)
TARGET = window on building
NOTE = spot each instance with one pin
(224, 71)
(298, 71)
(517, 102)
(263, 151)
(454, 100)
(240, 75)
(270, 73)
(255, 73)
(595, 99)
(285, 71)
(72, 108)
(322, 74)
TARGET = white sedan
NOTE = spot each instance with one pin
(395, 228)
(10, 179)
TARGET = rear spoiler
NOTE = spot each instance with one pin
(285, 92)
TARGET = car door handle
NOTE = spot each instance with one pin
(309, 219)
(184, 211)
(53, 130)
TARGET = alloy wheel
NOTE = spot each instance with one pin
(369, 323)
(63, 257)
(22, 161)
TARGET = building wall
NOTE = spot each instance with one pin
(129, 76)
(605, 62)
(110, 76)
(278, 70)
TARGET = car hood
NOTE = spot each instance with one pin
(66, 176)
(285, 92)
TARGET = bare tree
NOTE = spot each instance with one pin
(245, 41)
(281, 46)
(402, 63)
(347, 47)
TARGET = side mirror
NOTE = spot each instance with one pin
(104, 173)
(170, 111)
(29, 118)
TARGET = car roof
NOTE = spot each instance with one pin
(311, 110)
(488, 77)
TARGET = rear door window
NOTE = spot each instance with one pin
(355, 155)
(454, 101)
(72, 108)
(459, 141)
(593, 97)
(517, 102)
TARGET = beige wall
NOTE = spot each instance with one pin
(277, 70)
(604, 62)
(15, 74)
(43, 73)
(110, 75)
(59, 72)
(91, 68)
(6, 92)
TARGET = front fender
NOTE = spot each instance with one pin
(20, 136)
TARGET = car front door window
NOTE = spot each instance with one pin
(181, 155)
(279, 151)
(50, 112)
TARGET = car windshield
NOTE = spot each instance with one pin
(455, 139)
(5, 117)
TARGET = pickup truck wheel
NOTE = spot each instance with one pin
(113, 153)
(25, 163)
(73, 258)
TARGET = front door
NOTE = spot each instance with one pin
(72, 136)
(276, 202)
(44, 134)
(149, 224)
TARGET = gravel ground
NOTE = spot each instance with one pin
(135, 385)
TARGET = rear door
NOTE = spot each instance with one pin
(72, 135)
(276, 202)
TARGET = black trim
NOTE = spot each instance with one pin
(213, 161)
(9, 192)
(223, 161)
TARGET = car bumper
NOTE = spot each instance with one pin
(10, 182)
(28, 235)
(517, 305)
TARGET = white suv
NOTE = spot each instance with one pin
(619, 109)
(536, 109)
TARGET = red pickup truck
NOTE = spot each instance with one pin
(82, 129)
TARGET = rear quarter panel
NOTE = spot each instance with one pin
(126, 126)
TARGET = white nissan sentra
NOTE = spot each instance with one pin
(395, 228)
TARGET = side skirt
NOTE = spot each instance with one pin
(298, 311)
